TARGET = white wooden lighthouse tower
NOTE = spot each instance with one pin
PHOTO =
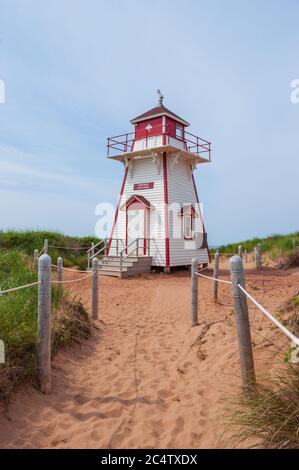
(158, 220)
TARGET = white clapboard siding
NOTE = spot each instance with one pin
(176, 143)
(157, 141)
(144, 171)
(181, 191)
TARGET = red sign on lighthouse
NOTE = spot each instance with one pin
(140, 186)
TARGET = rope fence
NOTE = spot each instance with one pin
(240, 295)
(213, 278)
(270, 316)
(14, 289)
(44, 283)
(69, 269)
(72, 280)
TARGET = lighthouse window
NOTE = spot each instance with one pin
(179, 131)
(188, 226)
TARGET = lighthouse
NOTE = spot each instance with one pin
(158, 220)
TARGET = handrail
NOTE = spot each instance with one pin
(91, 250)
(98, 252)
(127, 246)
(94, 246)
(123, 258)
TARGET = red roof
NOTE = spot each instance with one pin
(158, 111)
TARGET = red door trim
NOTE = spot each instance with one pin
(117, 209)
(167, 260)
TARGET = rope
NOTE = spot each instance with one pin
(213, 278)
(18, 288)
(265, 312)
(273, 319)
(72, 280)
(69, 269)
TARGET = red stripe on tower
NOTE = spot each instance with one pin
(167, 257)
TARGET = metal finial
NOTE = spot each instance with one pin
(161, 97)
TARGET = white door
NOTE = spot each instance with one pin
(136, 228)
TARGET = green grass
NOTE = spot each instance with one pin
(270, 417)
(18, 311)
(282, 249)
(28, 241)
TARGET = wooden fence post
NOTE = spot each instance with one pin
(242, 322)
(258, 257)
(216, 274)
(60, 275)
(46, 246)
(36, 253)
(44, 323)
(194, 292)
(240, 251)
(95, 289)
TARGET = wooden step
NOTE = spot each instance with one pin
(131, 266)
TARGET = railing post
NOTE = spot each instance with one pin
(240, 251)
(92, 249)
(95, 289)
(44, 323)
(242, 322)
(194, 292)
(216, 274)
(137, 246)
(258, 257)
(60, 275)
(36, 252)
(46, 246)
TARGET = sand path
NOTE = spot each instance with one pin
(146, 379)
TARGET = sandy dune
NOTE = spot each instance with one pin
(146, 379)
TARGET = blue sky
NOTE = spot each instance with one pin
(76, 71)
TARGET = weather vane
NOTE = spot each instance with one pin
(161, 97)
